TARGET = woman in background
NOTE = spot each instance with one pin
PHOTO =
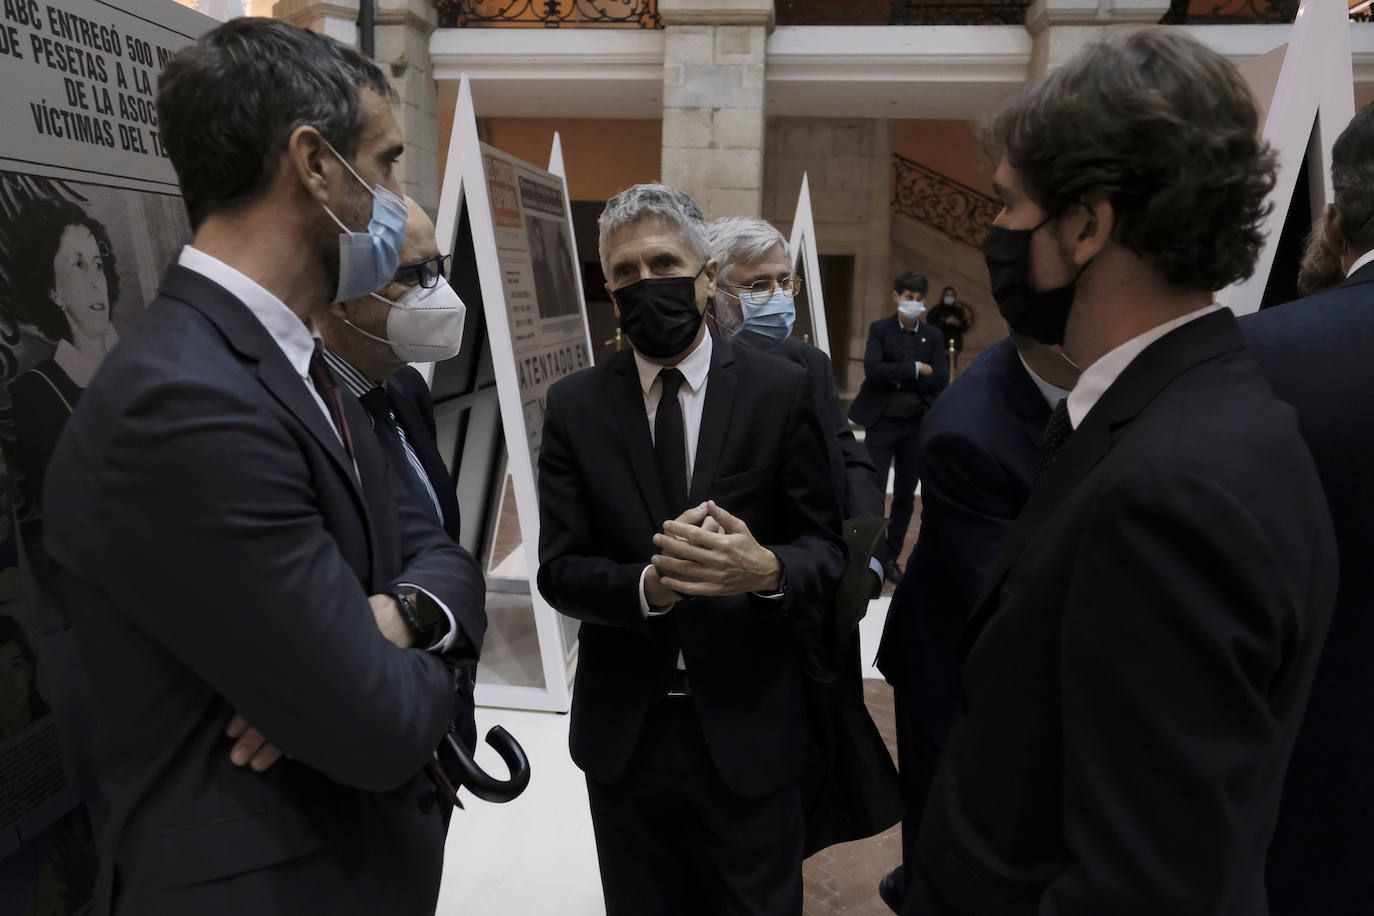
(65, 283)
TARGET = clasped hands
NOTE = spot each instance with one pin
(252, 749)
(706, 551)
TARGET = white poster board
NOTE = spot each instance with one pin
(1313, 102)
(803, 249)
(90, 217)
(536, 318)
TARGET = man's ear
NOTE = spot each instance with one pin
(1331, 229)
(709, 272)
(305, 155)
(1087, 227)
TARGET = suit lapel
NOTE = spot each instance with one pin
(627, 402)
(246, 335)
(715, 419)
(1148, 374)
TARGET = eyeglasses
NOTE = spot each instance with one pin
(427, 271)
(761, 290)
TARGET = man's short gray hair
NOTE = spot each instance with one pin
(654, 201)
(743, 240)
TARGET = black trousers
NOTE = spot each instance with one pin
(892, 440)
(919, 743)
(673, 840)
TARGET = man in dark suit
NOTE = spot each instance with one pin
(1136, 668)
(417, 317)
(849, 786)
(979, 450)
(905, 367)
(1315, 353)
(235, 556)
(687, 713)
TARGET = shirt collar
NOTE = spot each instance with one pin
(283, 325)
(1052, 394)
(694, 366)
(1363, 259)
(1098, 377)
(914, 328)
(357, 383)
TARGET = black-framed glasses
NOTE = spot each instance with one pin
(761, 290)
(428, 271)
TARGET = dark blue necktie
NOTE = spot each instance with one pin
(1057, 432)
(384, 426)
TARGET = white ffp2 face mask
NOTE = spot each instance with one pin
(911, 308)
(424, 325)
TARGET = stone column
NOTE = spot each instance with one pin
(1059, 28)
(713, 120)
(401, 46)
(336, 18)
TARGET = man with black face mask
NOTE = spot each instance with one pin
(1136, 668)
(687, 517)
(276, 635)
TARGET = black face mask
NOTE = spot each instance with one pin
(1039, 314)
(659, 314)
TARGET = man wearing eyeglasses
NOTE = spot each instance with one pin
(905, 367)
(850, 788)
(417, 317)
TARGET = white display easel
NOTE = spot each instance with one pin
(803, 246)
(465, 184)
(1313, 102)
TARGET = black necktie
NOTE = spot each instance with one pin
(1057, 432)
(322, 377)
(670, 443)
(384, 426)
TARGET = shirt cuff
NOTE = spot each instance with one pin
(644, 609)
(453, 632)
(877, 567)
(782, 589)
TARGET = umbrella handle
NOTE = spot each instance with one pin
(484, 785)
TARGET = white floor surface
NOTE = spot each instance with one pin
(536, 855)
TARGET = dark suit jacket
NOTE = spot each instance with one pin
(761, 455)
(849, 786)
(217, 554)
(1137, 668)
(887, 370)
(413, 406)
(1316, 354)
(856, 479)
(980, 447)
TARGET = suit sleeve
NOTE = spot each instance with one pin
(878, 369)
(863, 494)
(966, 517)
(572, 576)
(939, 364)
(813, 560)
(254, 595)
(444, 570)
(1174, 631)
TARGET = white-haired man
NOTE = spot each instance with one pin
(663, 474)
(850, 787)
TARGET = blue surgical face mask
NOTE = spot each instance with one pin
(773, 318)
(368, 260)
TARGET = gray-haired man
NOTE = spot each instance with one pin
(687, 516)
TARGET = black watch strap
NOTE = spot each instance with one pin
(426, 619)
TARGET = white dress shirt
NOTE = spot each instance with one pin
(1098, 377)
(1052, 394)
(1364, 259)
(691, 395)
(297, 342)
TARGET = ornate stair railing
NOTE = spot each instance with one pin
(549, 14)
(960, 212)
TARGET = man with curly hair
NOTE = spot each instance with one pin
(1137, 666)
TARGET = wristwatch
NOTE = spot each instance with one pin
(427, 621)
